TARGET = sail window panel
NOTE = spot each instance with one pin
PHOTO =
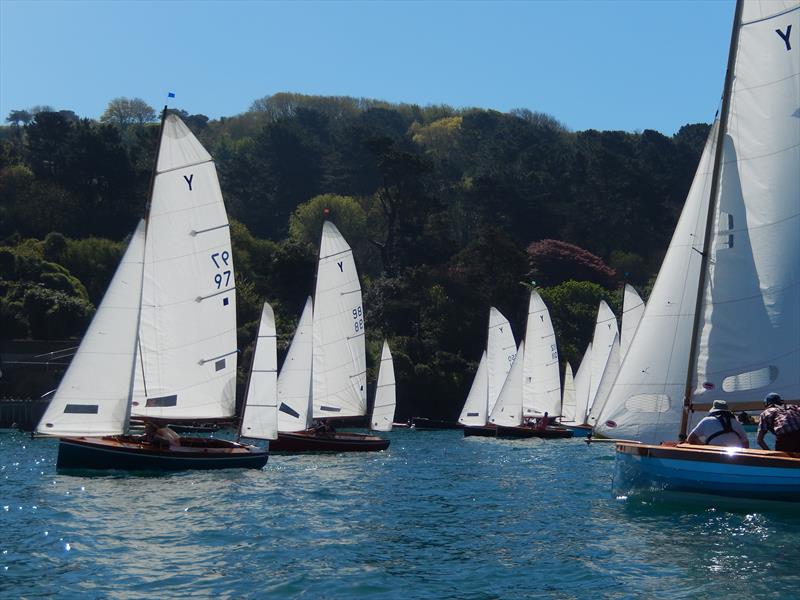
(648, 403)
(81, 409)
(750, 380)
(162, 401)
(285, 408)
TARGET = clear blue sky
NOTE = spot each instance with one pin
(591, 64)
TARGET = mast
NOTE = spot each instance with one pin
(712, 207)
(141, 283)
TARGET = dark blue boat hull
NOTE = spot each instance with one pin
(132, 454)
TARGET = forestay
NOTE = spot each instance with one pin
(646, 401)
(295, 406)
(475, 411)
(500, 351)
(383, 409)
(749, 342)
(94, 394)
(187, 337)
(260, 418)
(541, 380)
(339, 361)
(508, 410)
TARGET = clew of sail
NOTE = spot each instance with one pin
(85, 404)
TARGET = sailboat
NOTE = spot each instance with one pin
(493, 369)
(326, 378)
(163, 341)
(723, 320)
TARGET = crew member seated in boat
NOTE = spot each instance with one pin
(783, 421)
(161, 436)
(542, 425)
(719, 428)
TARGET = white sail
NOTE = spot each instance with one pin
(632, 311)
(94, 394)
(541, 383)
(295, 407)
(646, 400)
(187, 336)
(260, 418)
(339, 367)
(500, 351)
(508, 410)
(605, 331)
(568, 396)
(582, 378)
(475, 411)
(749, 331)
(383, 409)
(606, 382)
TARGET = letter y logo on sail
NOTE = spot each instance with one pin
(189, 180)
(785, 36)
(341, 266)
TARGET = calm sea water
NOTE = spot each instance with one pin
(436, 516)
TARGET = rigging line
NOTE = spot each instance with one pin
(201, 298)
(193, 233)
(194, 164)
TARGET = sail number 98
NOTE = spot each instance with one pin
(358, 319)
(222, 260)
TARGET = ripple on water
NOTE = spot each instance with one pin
(436, 516)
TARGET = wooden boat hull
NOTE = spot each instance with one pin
(716, 470)
(426, 423)
(130, 453)
(313, 441)
(517, 432)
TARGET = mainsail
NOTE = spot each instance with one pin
(500, 352)
(339, 362)
(541, 380)
(94, 394)
(187, 337)
(749, 326)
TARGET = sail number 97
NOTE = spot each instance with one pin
(222, 260)
(358, 319)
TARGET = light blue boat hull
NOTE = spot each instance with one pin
(581, 431)
(703, 470)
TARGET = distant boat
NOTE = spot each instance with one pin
(162, 343)
(723, 319)
(336, 378)
(532, 386)
(493, 369)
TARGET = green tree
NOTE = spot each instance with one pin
(305, 224)
(123, 112)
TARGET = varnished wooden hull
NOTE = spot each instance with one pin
(716, 470)
(517, 432)
(313, 441)
(131, 453)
